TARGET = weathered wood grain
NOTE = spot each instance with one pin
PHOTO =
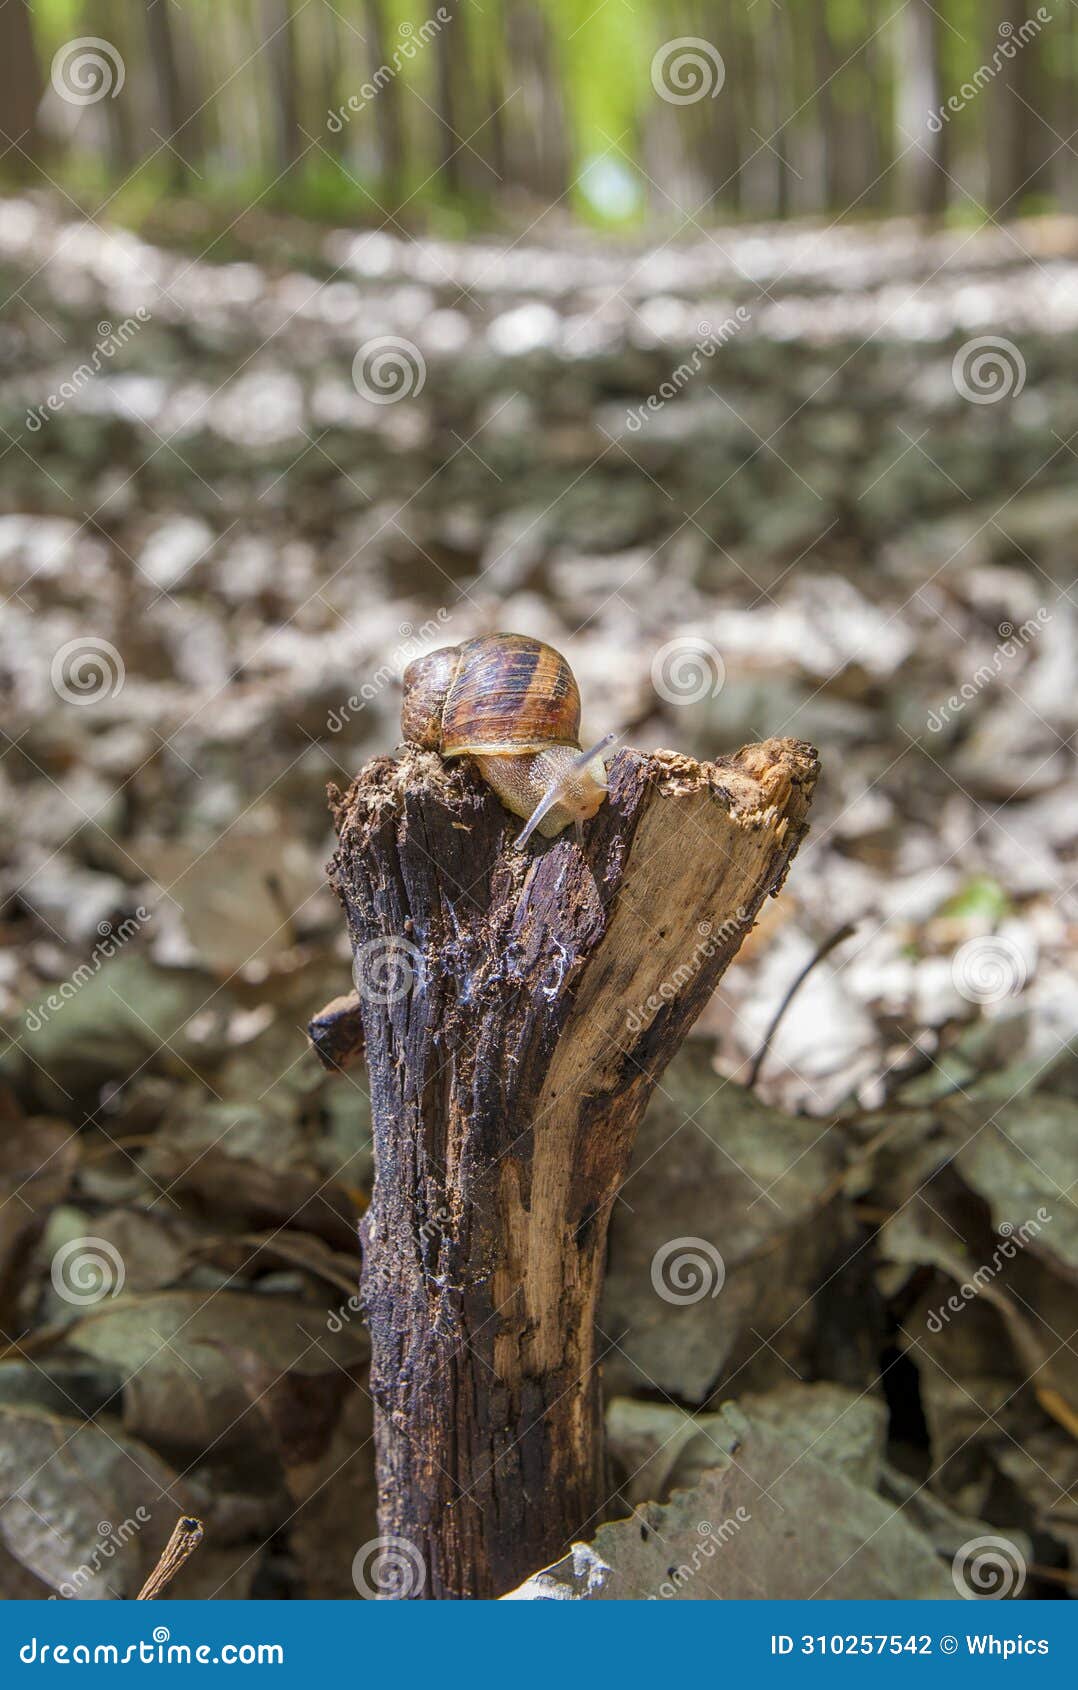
(517, 1011)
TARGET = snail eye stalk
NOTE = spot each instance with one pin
(558, 789)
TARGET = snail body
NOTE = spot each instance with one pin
(512, 704)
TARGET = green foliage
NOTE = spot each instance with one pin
(823, 75)
(981, 898)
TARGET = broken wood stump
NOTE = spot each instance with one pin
(517, 1010)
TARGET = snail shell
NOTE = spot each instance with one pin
(502, 693)
(513, 704)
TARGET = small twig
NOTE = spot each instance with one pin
(1055, 1575)
(840, 933)
(186, 1537)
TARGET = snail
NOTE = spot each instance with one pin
(513, 705)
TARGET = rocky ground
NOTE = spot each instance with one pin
(773, 481)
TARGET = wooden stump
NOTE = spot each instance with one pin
(518, 1008)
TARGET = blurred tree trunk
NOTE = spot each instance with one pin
(872, 118)
(389, 125)
(803, 124)
(284, 81)
(826, 65)
(853, 160)
(330, 56)
(773, 77)
(491, 138)
(127, 137)
(1063, 109)
(757, 120)
(719, 126)
(20, 89)
(537, 129)
(462, 80)
(172, 80)
(240, 107)
(450, 59)
(445, 107)
(923, 152)
(1012, 130)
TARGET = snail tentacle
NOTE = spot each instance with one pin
(560, 789)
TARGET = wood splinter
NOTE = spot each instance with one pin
(517, 1009)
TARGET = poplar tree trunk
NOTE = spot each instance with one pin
(178, 124)
(284, 79)
(387, 114)
(923, 150)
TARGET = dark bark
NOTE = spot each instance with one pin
(826, 63)
(1016, 139)
(284, 82)
(128, 139)
(765, 174)
(518, 1009)
(535, 120)
(334, 41)
(871, 122)
(178, 130)
(20, 90)
(450, 49)
(388, 117)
